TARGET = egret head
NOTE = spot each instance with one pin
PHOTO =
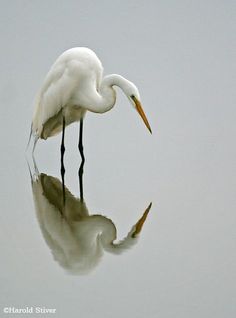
(133, 95)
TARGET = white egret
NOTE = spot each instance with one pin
(74, 85)
(76, 239)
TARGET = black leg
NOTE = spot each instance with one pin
(80, 145)
(81, 189)
(81, 168)
(62, 158)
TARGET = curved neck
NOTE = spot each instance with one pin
(103, 230)
(114, 80)
(99, 226)
(105, 97)
(122, 245)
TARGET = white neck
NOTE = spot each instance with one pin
(107, 236)
(123, 245)
(104, 99)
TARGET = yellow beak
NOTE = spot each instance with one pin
(139, 224)
(141, 113)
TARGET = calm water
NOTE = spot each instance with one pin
(52, 253)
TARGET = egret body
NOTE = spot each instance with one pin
(77, 239)
(74, 85)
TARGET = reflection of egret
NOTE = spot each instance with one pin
(76, 239)
(74, 85)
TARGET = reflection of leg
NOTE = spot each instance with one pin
(81, 168)
(81, 189)
(62, 158)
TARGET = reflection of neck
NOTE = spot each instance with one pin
(103, 228)
(109, 236)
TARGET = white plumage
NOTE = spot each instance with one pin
(76, 239)
(59, 89)
(73, 85)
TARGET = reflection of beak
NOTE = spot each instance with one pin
(139, 224)
(141, 113)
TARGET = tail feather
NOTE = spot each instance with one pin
(29, 137)
(36, 138)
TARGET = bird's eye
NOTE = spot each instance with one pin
(132, 96)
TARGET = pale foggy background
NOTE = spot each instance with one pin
(181, 56)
